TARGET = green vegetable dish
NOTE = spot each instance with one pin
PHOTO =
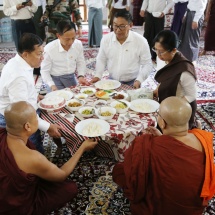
(88, 92)
(87, 112)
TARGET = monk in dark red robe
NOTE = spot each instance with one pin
(169, 174)
(29, 183)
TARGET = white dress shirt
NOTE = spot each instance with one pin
(119, 5)
(95, 3)
(157, 5)
(57, 61)
(17, 84)
(9, 9)
(42, 3)
(197, 6)
(127, 61)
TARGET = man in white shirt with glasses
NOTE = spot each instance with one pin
(125, 53)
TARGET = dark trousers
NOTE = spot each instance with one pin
(20, 27)
(179, 11)
(40, 31)
(153, 26)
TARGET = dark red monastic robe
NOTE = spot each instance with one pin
(161, 175)
(22, 193)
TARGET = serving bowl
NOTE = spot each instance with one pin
(74, 104)
(88, 90)
(81, 96)
(119, 96)
(120, 106)
(106, 110)
(52, 103)
(86, 111)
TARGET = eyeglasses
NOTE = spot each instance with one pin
(121, 27)
(159, 52)
(158, 114)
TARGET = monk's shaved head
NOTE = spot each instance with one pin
(176, 111)
(17, 114)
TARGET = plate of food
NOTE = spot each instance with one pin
(74, 104)
(102, 94)
(92, 127)
(119, 95)
(66, 94)
(88, 90)
(86, 111)
(107, 84)
(144, 105)
(121, 106)
(52, 103)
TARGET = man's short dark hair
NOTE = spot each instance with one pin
(124, 14)
(27, 42)
(65, 25)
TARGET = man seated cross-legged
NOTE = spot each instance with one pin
(29, 183)
(171, 173)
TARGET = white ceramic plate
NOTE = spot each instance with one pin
(66, 94)
(107, 84)
(92, 127)
(144, 105)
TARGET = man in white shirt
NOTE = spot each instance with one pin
(191, 29)
(62, 57)
(179, 11)
(125, 53)
(154, 12)
(17, 83)
(95, 21)
(21, 16)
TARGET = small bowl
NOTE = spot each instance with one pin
(100, 103)
(120, 110)
(86, 90)
(125, 95)
(74, 108)
(81, 96)
(86, 108)
(104, 109)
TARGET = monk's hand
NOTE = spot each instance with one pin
(194, 25)
(142, 13)
(154, 131)
(83, 81)
(137, 84)
(89, 144)
(53, 130)
(94, 80)
(53, 88)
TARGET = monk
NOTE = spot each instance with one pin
(171, 173)
(29, 183)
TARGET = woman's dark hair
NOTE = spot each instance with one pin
(124, 2)
(124, 14)
(168, 39)
(65, 25)
(27, 42)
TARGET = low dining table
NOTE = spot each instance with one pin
(123, 127)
